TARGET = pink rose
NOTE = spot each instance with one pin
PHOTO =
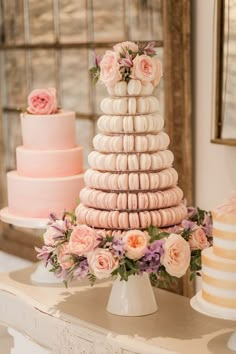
(83, 239)
(158, 72)
(122, 47)
(198, 240)
(110, 69)
(102, 263)
(176, 258)
(42, 101)
(64, 256)
(144, 68)
(136, 243)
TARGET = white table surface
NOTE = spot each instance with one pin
(75, 321)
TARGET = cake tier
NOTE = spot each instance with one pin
(131, 201)
(49, 163)
(131, 162)
(218, 279)
(130, 220)
(132, 181)
(224, 236)
(131, 88)
(131, 124)
(129, 105)
(131, 143)
(49, 132)
(38, 197)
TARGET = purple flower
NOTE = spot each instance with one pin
(127, 61)
(150, 262)
(174, 229)
(98, 59)
(81, 270)
(191, 212)
(149, 49)
(207, 225)
(44, 254)
(118, 247)
(188, 224)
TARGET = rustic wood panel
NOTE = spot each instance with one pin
(178, 106)
(20, 242)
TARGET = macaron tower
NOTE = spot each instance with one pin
(131, 183)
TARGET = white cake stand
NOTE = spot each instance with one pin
(41, 274)
(20, 221)
(204, 307)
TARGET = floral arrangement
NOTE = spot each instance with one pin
(76, 251)
(126, 61)
(42, 101)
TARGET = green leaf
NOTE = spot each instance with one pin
(131, 264)
(92, 279)
(192, 276)
(153, 230)
(65, 283)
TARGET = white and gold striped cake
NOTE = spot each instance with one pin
(219, 261)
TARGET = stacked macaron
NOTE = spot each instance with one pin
(123, 220)
(98, 199)
(155, 161)
(131, 182)
(130, 124)
(131, 143)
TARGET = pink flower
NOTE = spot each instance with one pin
(198, 240)
(49, 235)
(102, 263)
(42, 101)
(135, 243)
(83, 239)
(144, 68)
(110, 69)
(158, 72)
(64, 256)
(176, 258)
(53, 231)
(121, 48)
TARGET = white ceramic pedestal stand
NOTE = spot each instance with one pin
(41, 274)
(134, 297)
(202, 306)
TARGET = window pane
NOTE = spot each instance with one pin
(12, 138)
(108, 21)
(15, 75)
(41, 21)
(144, 19)
(43, 68)
(73, 21)
(13, 17)
(74, 80)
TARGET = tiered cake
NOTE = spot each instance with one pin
(219, 261)
(49, 166)
(131, 183)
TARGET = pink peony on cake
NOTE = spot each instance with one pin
(49, 174)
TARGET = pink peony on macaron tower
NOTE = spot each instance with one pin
(131, 183)
(49, 173)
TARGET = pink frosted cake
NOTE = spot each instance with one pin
(49, 174)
